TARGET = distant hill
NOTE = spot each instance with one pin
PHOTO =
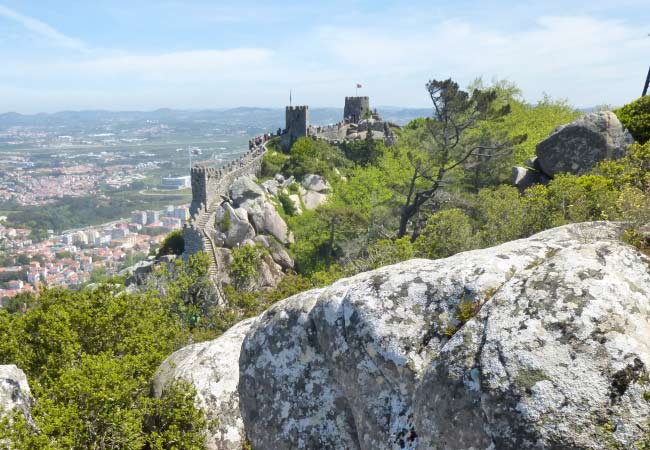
(270, 118)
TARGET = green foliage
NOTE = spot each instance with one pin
(287, 204)
(272, 163)
(631, 170)
(226, 222)
(188, 286)
(447, 232)
(245, 265)
(388, 251)
(309, 156)
(173, 244)
(365, 152)
(635, 117)
(89, 356)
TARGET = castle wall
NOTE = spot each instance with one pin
(356, 108)
(208, 185)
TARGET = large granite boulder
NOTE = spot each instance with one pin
(15, 394)
(541, 343)
(244, 188)
(277, 251)
(275, 225)
(271, 187)
(577, 147)
(313, 199)
(316, 183)
(212, 368)
(231, 228)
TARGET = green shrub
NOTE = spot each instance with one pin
(173, 244)
(635, 117)
(272, 163)
(225, 223)
(309, 156)
(447, 232)
(245, 265)
(287, 205)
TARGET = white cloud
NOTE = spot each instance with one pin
(42, 29)
(583, 58)
(173, 66)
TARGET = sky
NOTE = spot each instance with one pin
(193, 54)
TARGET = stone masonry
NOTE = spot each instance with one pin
(209, 184)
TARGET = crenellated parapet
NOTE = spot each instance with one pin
(297, 125)
(356, 108)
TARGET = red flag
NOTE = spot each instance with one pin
(359, 85)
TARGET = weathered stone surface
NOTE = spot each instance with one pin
(315, 183)
(255, 212)
(212, 368)
(577, 147)
(534, 344)
(15, 394)
(244, 188)
(271, 186)
(230, 228)
(270, 273)
(313, 199)
(277, 251)
(274, 224)
(523, 178)
(224, 258)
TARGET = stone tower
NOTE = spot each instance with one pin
(356, 108)
(204, 186)
(297, 125)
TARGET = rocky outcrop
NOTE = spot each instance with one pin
(314, 191)
(541, 343)
(15, 394)
(244, 188)
(230, 228)
(212, 368)
(137, 274)
(315, 183)
(577, 147)
(523, 178)
(278, 253)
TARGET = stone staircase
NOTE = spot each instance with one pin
(208, 242)
(201, 219)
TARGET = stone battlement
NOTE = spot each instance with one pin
(360, 97)
(209, 182)
(297, 108)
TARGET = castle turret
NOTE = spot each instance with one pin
(356, 108)
(204, 186)
(297, 125)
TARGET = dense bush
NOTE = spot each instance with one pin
(314, 156)
(272, 163)
(89, 356)
(173, 244)
(245, 265)
(635, 117)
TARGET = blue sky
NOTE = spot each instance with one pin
(141, 54)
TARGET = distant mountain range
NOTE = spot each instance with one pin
(270, 118)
